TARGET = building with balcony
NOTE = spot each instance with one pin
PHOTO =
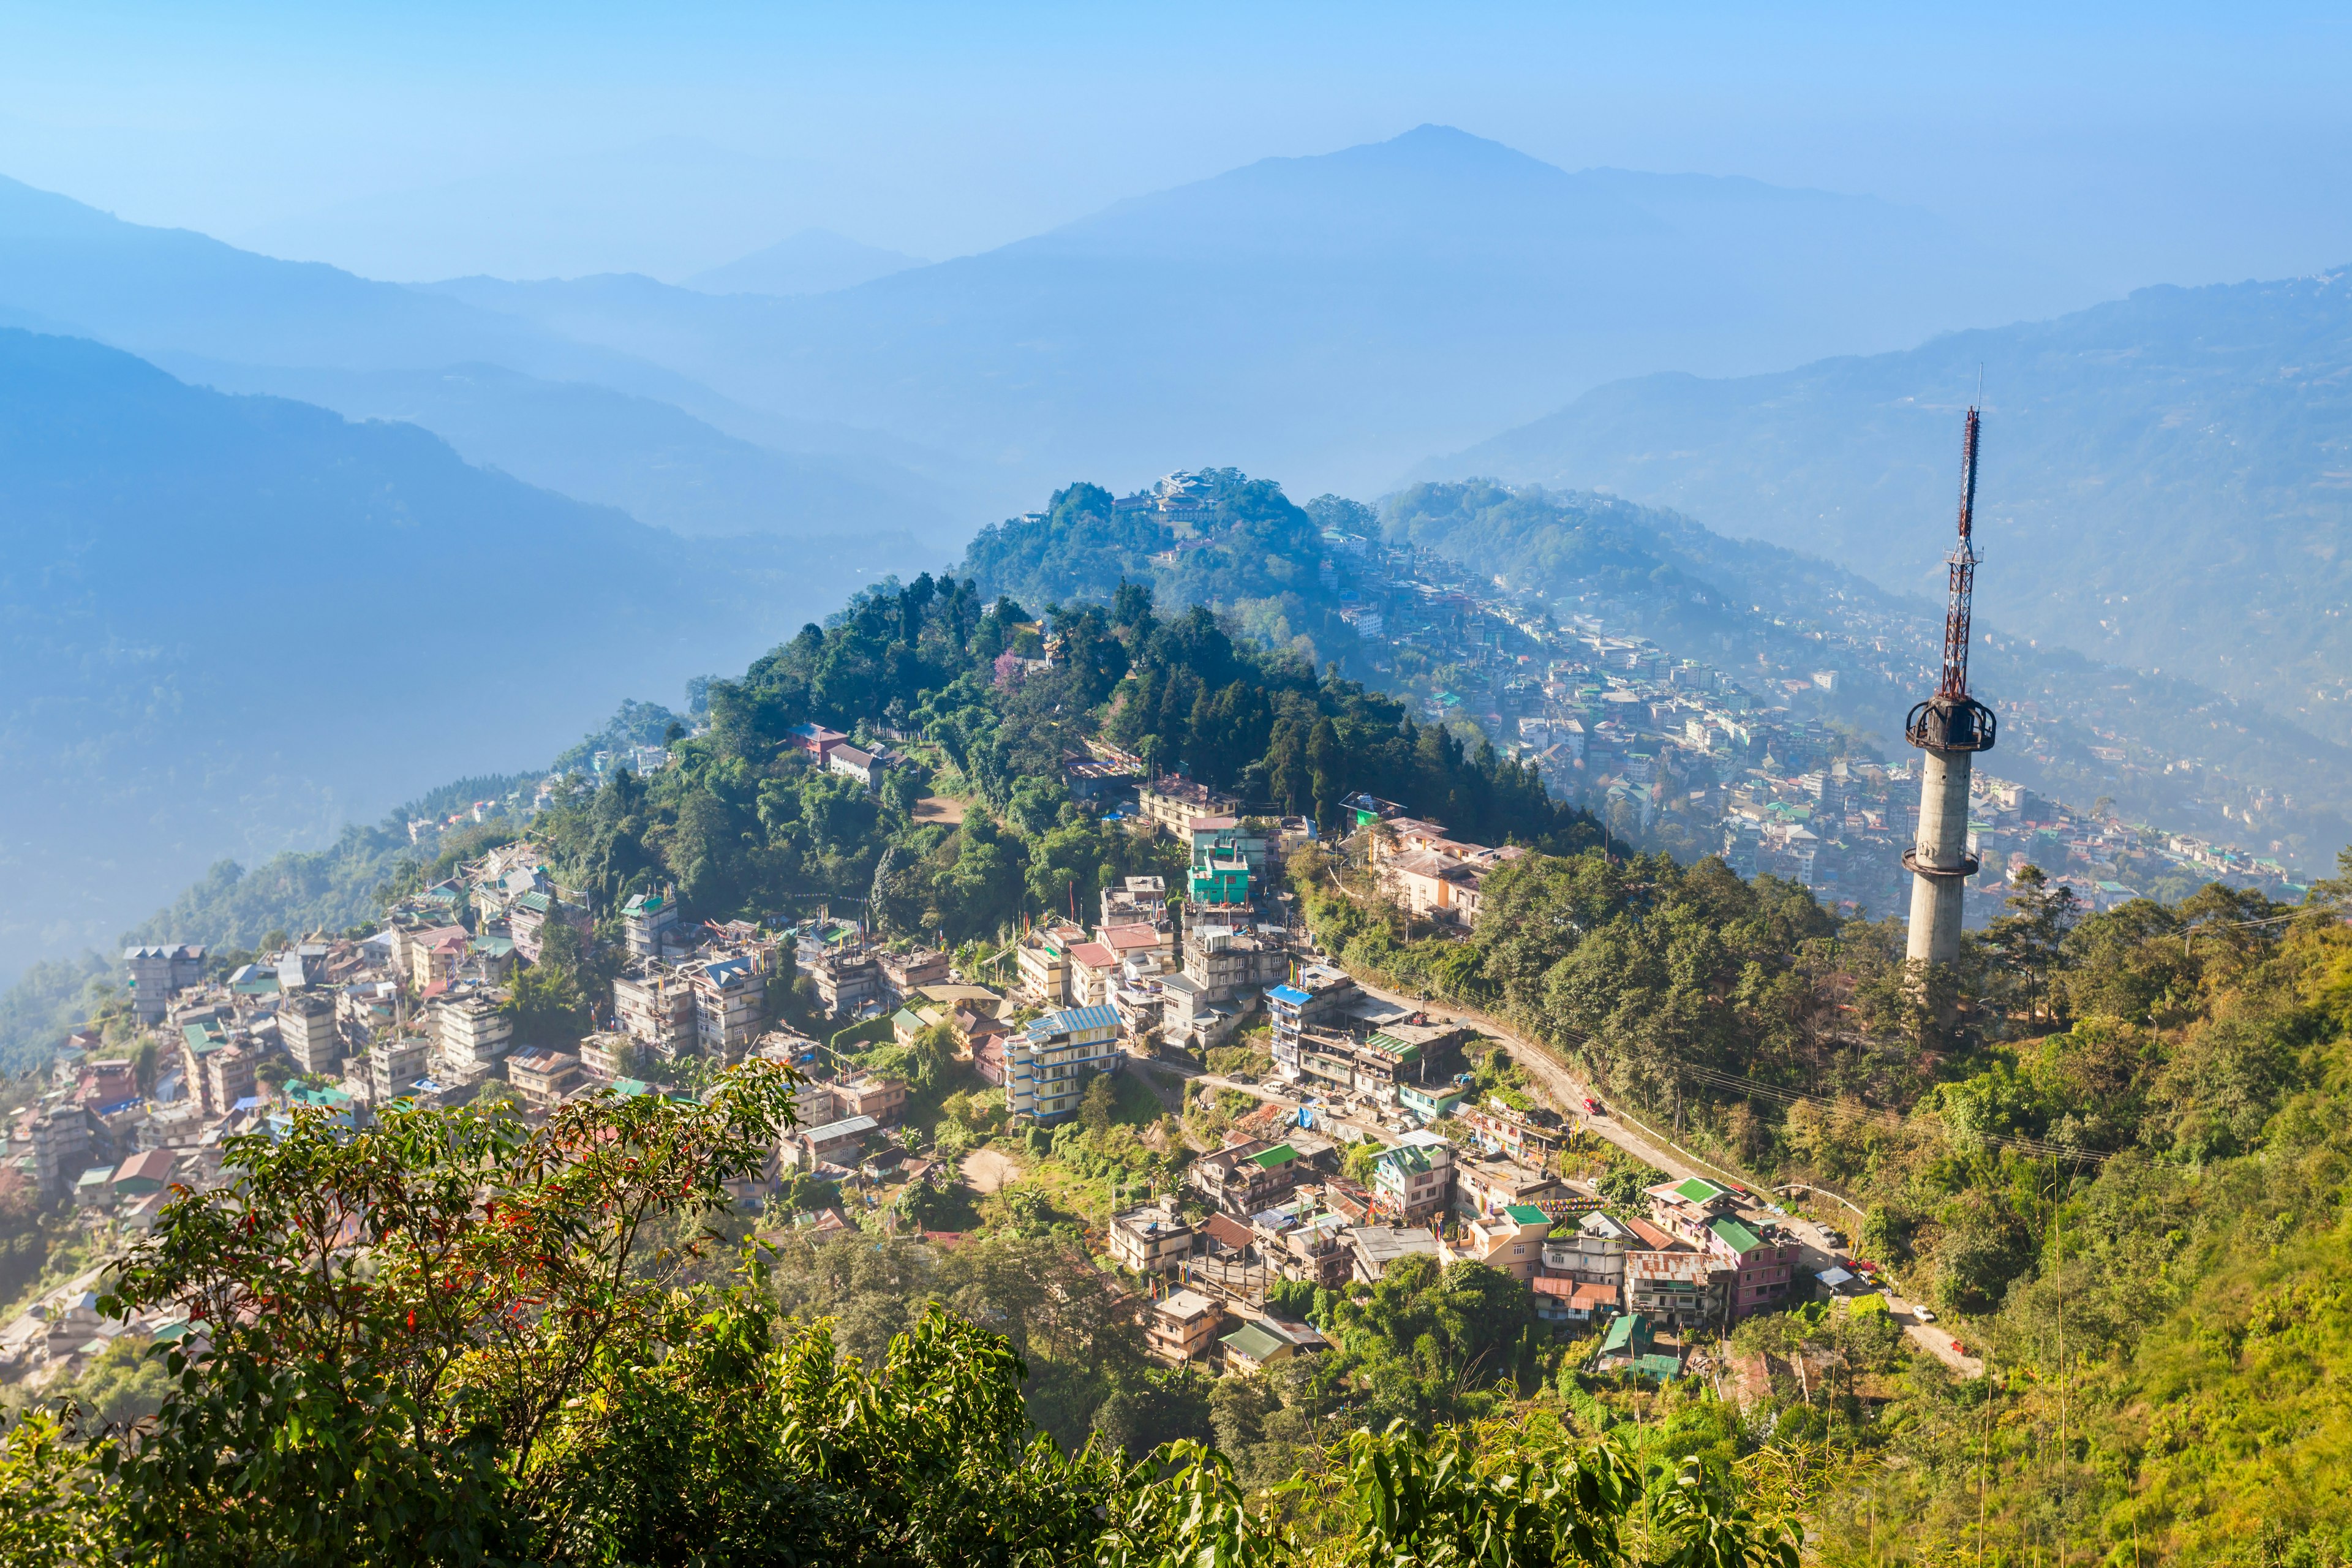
(1049, 1064)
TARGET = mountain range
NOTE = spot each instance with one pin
(1312, 316)
(611, 482)
(232, 624)
(2166, 480)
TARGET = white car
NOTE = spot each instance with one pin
(1923, 1314)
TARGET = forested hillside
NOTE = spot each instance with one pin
(2124, 1172)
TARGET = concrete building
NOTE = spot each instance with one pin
(529, 916)
(1686, 1289)
(850, 761)
(729, 1004)
(653, 1005)
(1375, 1246)
(1043, 962)
(228, 1074)
(158, 972)
(471, 1032)
(904, 974)
(1511, 1241)
(1181, 1328)
(1137, 901)
(542, 1077)
(847, 983)
(436, 954)
(1170, 804)
(834, 1143)
(1093, 973)
(649, 921)
(311, 1033)
(395, 1067)
(1242, 1179)
(64, 1141)
(1413, 1182)
(1049, 1064)
(1151, 1240)
(599, 1054)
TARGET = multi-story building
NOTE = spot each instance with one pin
(65, 1140)
(1686, 1209)
(1150, 1241)
(228, 1074)
(158, 972)
(1093, 973)
(1685, 1289)
(846, 982)
(1316, 994)
(599, 1054)
(1150, 948)
(436, 955)
(729, 1004)
(541, 1078)
(1042, 959)
(1226, 961)
(1584, 1273)
(1511, 1241)
(1170, 804)
(471, 1029)
(907, 973)
(1048, 1065)
(1181, 1328)
(1413, 1182)
(649, 921)
(1137, 901)
(1245, 1178)
(308, 1028)
(654, 1004)
(1762, 1266)
(395, 1067)
(1483, 1188)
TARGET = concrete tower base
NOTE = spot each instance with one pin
(1939, 859)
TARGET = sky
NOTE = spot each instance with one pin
(2127, 146)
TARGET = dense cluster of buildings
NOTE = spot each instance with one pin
(1758, 766)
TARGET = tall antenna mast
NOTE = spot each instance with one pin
(1962, 561)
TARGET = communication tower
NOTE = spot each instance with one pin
(1950, 728)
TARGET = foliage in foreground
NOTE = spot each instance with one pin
(452, 1338)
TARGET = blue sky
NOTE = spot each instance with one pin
(2129, 145)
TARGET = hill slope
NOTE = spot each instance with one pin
(2167, 480)
(231, 624)
(1305, 316)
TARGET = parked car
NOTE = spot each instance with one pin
(1923, 1314)
(1240, 1077)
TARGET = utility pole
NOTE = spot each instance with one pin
(1948, 729)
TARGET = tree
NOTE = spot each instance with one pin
(394, 1356)
(2030, 938)
(1099, 1105)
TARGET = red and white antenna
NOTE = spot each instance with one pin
(1962, 563)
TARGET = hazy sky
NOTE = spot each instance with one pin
(2129, 144)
